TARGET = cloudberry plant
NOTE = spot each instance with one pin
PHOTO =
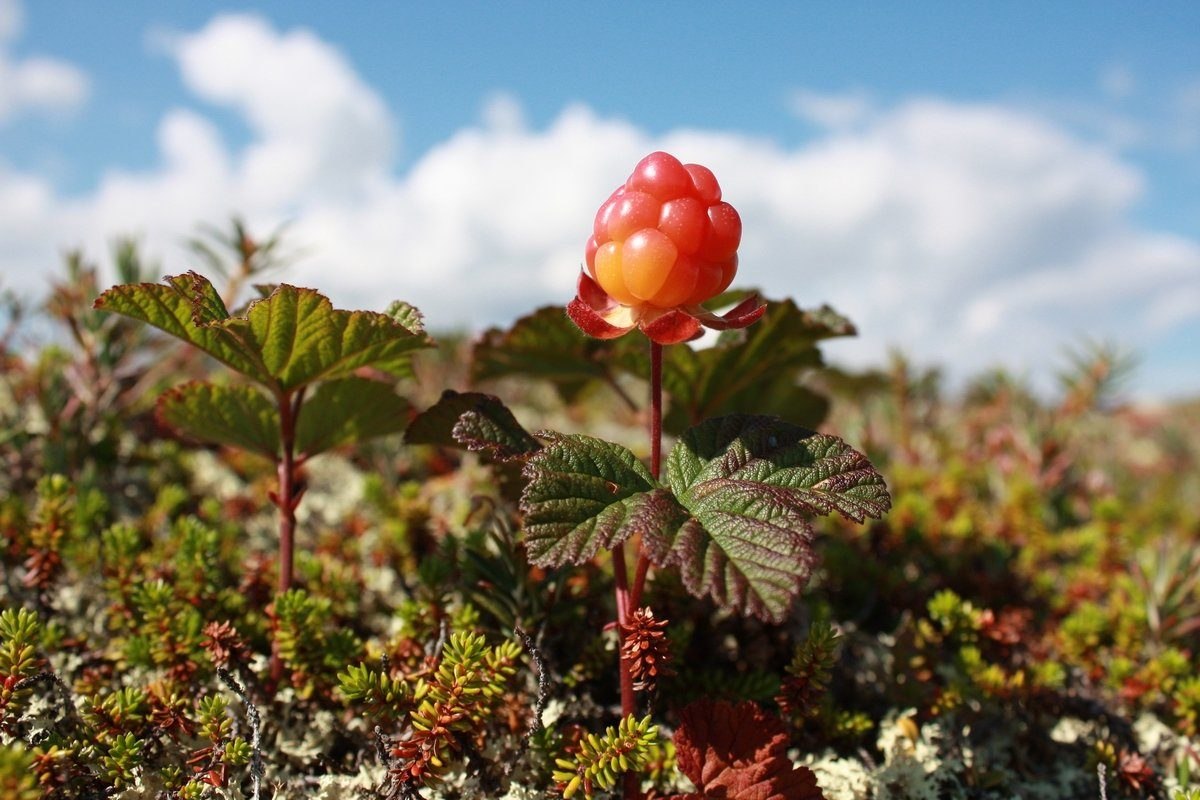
(303, 360)
(729, 506)
(662, 244)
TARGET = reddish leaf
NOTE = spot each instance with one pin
(739, 753)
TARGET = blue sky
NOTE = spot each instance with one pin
(978, 184)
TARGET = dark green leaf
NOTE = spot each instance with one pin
(751, 483)
(545, 345)
(239, 416)
(348, 411)
(187, 307)
(473, 420)
(585, 495)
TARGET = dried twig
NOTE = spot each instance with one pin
(256, 761)
(543, 682)
(46, 676)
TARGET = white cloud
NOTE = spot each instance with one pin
(966, 234)
(35, 83)
(503, 112)
(317, 125)
(834, 111)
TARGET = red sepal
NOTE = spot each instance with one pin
(672, 327)
(592, 323)
(742, 315)
(598, 315)
(590, 292)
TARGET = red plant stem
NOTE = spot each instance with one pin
(629, 599)
(656, 353)
(621, 576)
(639, 582)
(643, 564)
(286, 500)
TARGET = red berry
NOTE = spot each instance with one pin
(661, 175)
(632, 212)
(724, 233)
(705, 183)
(600, 225)
(679, 285)
(728, 271)
(665, 239)
(590, 254)
(708, 280)
(684, 220)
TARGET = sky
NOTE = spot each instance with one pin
(977, 185)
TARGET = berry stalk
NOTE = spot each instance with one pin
(631, 597)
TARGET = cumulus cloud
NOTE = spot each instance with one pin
(834, 111)
(35, 83)
(317, 126)
(967, 234)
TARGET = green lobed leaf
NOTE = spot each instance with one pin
(290, 338)
(477, 421)
(302, 338)
(751, 483)
(238, 416)
(187, 307)
(348, 411)
(584, 495)
(545, 345)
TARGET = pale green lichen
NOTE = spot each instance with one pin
(841, 778)
(1070, 730)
